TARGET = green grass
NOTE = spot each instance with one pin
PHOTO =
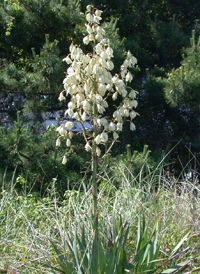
(29, 222)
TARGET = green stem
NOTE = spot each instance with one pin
(94, 175)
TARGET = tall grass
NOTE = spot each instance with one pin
(28, 223)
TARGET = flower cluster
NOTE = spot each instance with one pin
(89, 82)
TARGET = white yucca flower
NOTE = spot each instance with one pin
(112, 126)
(64, 160)
(115, 135)
(69, 125)
(88, 147)
(61, 130)
(132, 126)
(58, 143)
(98, 139)
(68, 142)
(61, 97)
(98, 151)
(104, 137)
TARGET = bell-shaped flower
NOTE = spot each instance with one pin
(98, 12)
(68, 60)
(61, 97)
(104, 121)
(109, 51)
(104, 137)
(89, 29)
(71, 105)
(115, 135)
(97, 19)
(134, 103)
(124, 92)
(129, 77)
(83, 116)
(132, 94)
(68, 142)
(132, 126)
(110, 65)
(89, 18)
(114, 79)
(62, 131)
(70, 112)
(58, 143)
(112, 126)
(70, 134)
(88, 69)
(86, 40)
(102, 89)
(119, 126)
(64, 160)
(117, 115)
(86, 106)
(104, 104)
(114, 96)
(104, 55)
(126, 112)
(88, 8)
(98, 139)
(88, 147)
(91, 37)
(133, 114)
(133, 61)
(95, 69)
(98, 48)
(100, 108)
(69, 125)
(76, 116)
(98, 151)
(98, 37)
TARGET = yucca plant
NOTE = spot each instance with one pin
(94, 258)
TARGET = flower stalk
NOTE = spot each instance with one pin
(89, 83)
